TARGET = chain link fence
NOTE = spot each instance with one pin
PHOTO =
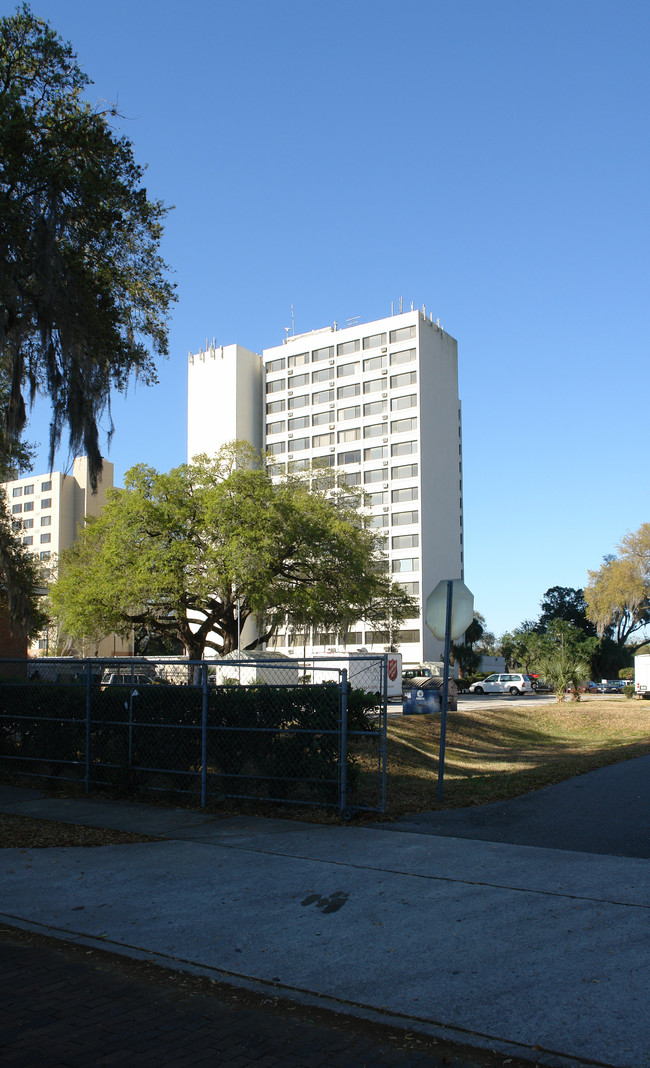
(295, 732)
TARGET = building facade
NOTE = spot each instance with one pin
(46, 513)
(377, 401)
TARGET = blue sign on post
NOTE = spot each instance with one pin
(419, 702)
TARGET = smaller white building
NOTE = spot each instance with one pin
(46, 513)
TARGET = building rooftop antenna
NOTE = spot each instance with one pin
(353, 320)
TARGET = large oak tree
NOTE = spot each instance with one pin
(185, 553)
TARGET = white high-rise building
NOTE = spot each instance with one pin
(46, 513)
(378, 401)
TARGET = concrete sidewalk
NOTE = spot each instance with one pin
(533, 951)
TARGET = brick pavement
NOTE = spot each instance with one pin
(67, 1005)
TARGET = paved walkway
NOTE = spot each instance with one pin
(539, 953)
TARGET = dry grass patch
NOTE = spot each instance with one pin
(504, 751)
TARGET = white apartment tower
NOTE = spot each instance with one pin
(46, 513)
(378, 401)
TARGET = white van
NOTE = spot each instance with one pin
(513, 683)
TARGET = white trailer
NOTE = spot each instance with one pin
(642, 676)
(364, 671)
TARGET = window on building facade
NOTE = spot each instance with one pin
(346, 370)
(408, 493)
(351, 390)
(403, 519)
(405, 471)
(277, 427)
(45, 486)
(403, 448)
(17, 491)
(27, 524)
(401, 426)
(276, 447)
(352, 478)
(353, 434)
(376, 475)
(350, 413)
(46, 539)
(273, 407)
(298, 380)
(323, 396)
(374, 430)
(46, 502)
(407, 378)
(375, 407)
(16, 508)
(29, 506)
(275, 470)
(298, 402)
(402, 334)
(298, 445)
(298, 422)
(275, 365)
(347, 347)
(377, 521)
(45, 555)
(28, 540)
(321, 418)
(320, 462)
(46, 521)
(405, 356)
(375, 499)
(322, 375)
(28, 490)
(297, 465)
(376, 363)
(326, 353)
(398, 404)
(405, 563)
(377, 637)
(374, 384)
(276, 385)
(407, 636)
(411, 587)
(299, 360)
(377, 452)
(405, 541)
(320, 440)
(352, 456)
(374, 341)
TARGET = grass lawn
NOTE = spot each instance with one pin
(507, 750)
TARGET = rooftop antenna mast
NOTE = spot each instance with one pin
(293, 323)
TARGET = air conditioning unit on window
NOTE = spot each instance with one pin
(384, 394)
(332, 426)
(384, 440)
(291, 393)
(384, 372)
(384, 349)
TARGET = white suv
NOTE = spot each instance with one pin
(511, 683)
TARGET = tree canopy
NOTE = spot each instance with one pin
(20, 578)
(83, 294)
(618, 593)
(185, 553)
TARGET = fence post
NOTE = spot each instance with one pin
(88, 704)
(204, 736)
(343, 787)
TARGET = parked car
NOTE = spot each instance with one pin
(512, 682)
(116, 678)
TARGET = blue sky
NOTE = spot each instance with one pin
(487, 158)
